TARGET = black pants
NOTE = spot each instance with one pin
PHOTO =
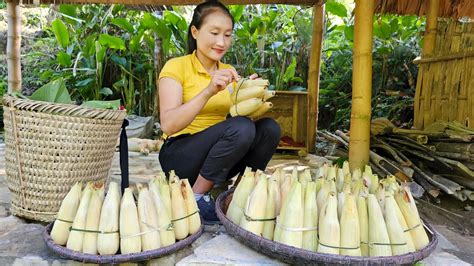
(221, 151)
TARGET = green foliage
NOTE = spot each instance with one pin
(53, 92)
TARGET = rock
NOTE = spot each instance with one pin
(5, 195)
(9, 223)
(3, 211)
(140, 127)
(443, 258)
(30, 260)
(223, 249)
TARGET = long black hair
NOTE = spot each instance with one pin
(200, 13)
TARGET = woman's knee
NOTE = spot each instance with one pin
(242, 129)
(270, 127)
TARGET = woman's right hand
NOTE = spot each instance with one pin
(220, 79)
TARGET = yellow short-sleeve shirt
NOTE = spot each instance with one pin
(190, 73)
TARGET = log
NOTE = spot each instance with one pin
(464, 151)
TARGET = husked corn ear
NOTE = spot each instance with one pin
(194, 220)
(246, 107)
(310, 218)
(130, 240)
(329, 228)
(148, 220)
(363, 222)
(255, 208)
(178, 208)
(76, 237)
(268, 94)
(395, 229)
(167, 236)
(66, 214)
(89, 245)
(350, 228)
(108, 242)
(407, 206)
(273, 195)
(243, 189)
(240, 95)
(261, 110)
(247, 83)
(379, 242)
(292, 219)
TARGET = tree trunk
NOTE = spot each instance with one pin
(13, 46)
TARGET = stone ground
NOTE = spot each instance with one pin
(21, 242)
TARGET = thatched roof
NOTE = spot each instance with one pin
(447, 8)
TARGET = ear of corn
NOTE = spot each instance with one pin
(243, 189)
(167, 236)
(363, 222)
(407, 206)
(310, 219)
(248, 83)
(76, 238)
(340, 179)
(395, 229)
(194, 220)
(268, 94)
(292, 218)
(379, 242)
(164, 192)
(261, 110)
(89, 245)
(331, 175)
(327, 187)
(130, 240)
(345, 168)
(350, 228)
(255, 208)
(329, 228)
(273, 193)
(178, 209)
(403, 223)
(148, 220)
(108, 242)
(277, 179)
(66, 213)
(238, 96)
(246, 107)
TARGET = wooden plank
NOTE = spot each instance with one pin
(313, 77)
(296, 110)
(174, 2)
(418, 104)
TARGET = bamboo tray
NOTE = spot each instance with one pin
(300, 256)
(118, 258)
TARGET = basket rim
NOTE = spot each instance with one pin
(301, 256)
(10, 101)
(118, 258)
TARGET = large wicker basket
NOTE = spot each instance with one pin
(50, 147)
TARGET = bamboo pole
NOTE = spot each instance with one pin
(313, 76)
(431, 28)
(13, 46)
(361, 84)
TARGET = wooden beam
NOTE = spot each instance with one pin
(174, 2)
(361, 84)
(13, 46)
(313, 76)
(431, 28)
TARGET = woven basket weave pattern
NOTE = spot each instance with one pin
(50, 147)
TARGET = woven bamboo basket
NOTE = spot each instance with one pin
(298, 256)
(50, 147)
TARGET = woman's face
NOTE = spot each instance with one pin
(214, 37)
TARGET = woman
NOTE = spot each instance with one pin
(201, 144)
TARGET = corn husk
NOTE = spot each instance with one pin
(340, 180)
(329, 228)
(243, 189)
(108, 243)
(273, 195)
(194, 220)
(395, 229)
(165, 193)
(167, 236)
(379, 242)
(148, 220)
(310, 219)
(407, 206)
(345, 168)
(130, 240)
(292, 218)
(363, 222)
(331, 175)
(350, 228)
(327, 187)
(66, 214)
(89, 244)
(178, 208)
(255, 208)
(76, 238)
(403, 223)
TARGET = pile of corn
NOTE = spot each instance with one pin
(163, 213)
(335, 212)
(249, 98)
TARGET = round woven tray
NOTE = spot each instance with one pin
(49, 147)
(294, 255)
(119, 258)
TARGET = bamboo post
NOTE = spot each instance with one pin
(361, 84)
(431, 28)
(13, 46)
(313, 76)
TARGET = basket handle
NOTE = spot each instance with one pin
(124, 156)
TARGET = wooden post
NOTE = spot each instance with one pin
(13, 46)
(359, 143)
(431, 28)
(313, 76)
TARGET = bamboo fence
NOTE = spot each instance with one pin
(446, 78)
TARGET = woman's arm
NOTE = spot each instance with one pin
(174, 115)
